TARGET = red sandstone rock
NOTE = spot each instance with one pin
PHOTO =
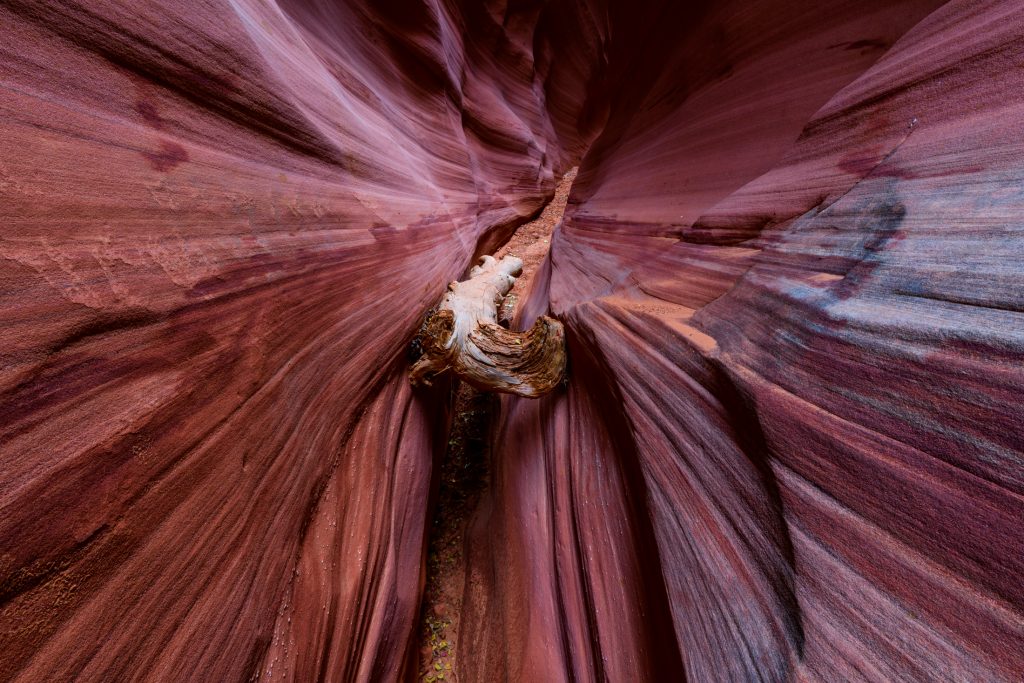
(790, 448)
(816, 383)
(222, 224)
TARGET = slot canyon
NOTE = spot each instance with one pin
(789, 445)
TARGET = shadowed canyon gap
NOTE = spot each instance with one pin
(790, 447)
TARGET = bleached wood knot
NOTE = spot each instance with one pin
(463, 336)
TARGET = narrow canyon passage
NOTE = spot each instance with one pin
(464, 470)
(789, 446)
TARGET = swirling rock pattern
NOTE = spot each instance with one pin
(222, 224)
(794, 331)
(790, 448)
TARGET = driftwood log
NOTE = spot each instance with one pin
(463, 336)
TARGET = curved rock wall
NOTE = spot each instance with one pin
(798, 282)
(790, 448)
(222, 223)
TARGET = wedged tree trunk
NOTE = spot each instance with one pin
(463, 336)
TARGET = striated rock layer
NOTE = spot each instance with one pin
(222, 223)
(790, 448)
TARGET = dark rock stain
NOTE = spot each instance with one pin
(883, 227)
(864, 45)
(860, 165)
(147, 110)
(170, 155)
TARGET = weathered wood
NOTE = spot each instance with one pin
(463, 336)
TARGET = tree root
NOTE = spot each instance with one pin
(463, 336)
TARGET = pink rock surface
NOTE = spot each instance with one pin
(790, 447)
(222, 224)
(792, 297)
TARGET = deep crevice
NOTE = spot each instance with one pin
(464, 469)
